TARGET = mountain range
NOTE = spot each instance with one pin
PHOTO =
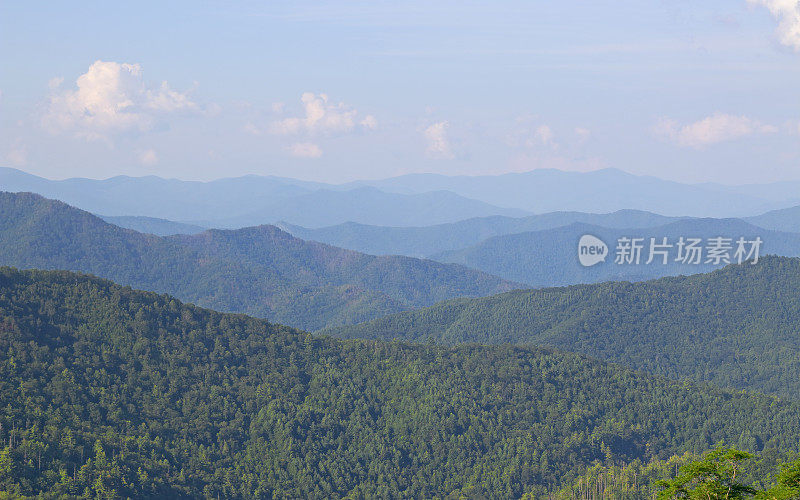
(787, 219)
(411, 200)
(260, 270)
(550, 257)
(251, 200)
(152, 225)
(602, 191)
(425, 241)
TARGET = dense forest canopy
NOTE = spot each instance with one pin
(107, 389)
(737, 327)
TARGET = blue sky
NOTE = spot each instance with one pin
(335, 91)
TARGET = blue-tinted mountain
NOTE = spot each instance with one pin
(600, 191)
(366, 205)
(430, 240)
(550, 257)
(251, 200)
(152, 225)
(787, 220)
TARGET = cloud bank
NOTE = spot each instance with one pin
(110, 98)
(438, 144)
(711, 130)
(320, 118)
(323, 117)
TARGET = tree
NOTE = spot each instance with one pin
(715, 476)
(787, 484)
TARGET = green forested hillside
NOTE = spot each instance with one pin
(261, 271)
(105, 390)
(737, 327)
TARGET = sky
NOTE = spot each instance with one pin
(336, 91)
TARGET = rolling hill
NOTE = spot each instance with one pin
(260, 270)
(735, 327)
(550, 257)
(110, 392)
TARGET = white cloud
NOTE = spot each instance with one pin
(438, 143)
(148, 157)
(788, 14)
(110, 98)
(711, 130)
(305, 150)
(543, 135)
(369, 122)
(322, 117)
(529, 132)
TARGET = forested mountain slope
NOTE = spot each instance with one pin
(261, 271)
(109, 391)
(737, 327)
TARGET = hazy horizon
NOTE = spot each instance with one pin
(375, 179)
(335, 92)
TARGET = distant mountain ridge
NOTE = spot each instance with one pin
(369, 205)
(410, 200)
(152, 225)
(251, 200)
(550, 257)
(260, 270)
(602, 191)
(426, 241)
(787, 219)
